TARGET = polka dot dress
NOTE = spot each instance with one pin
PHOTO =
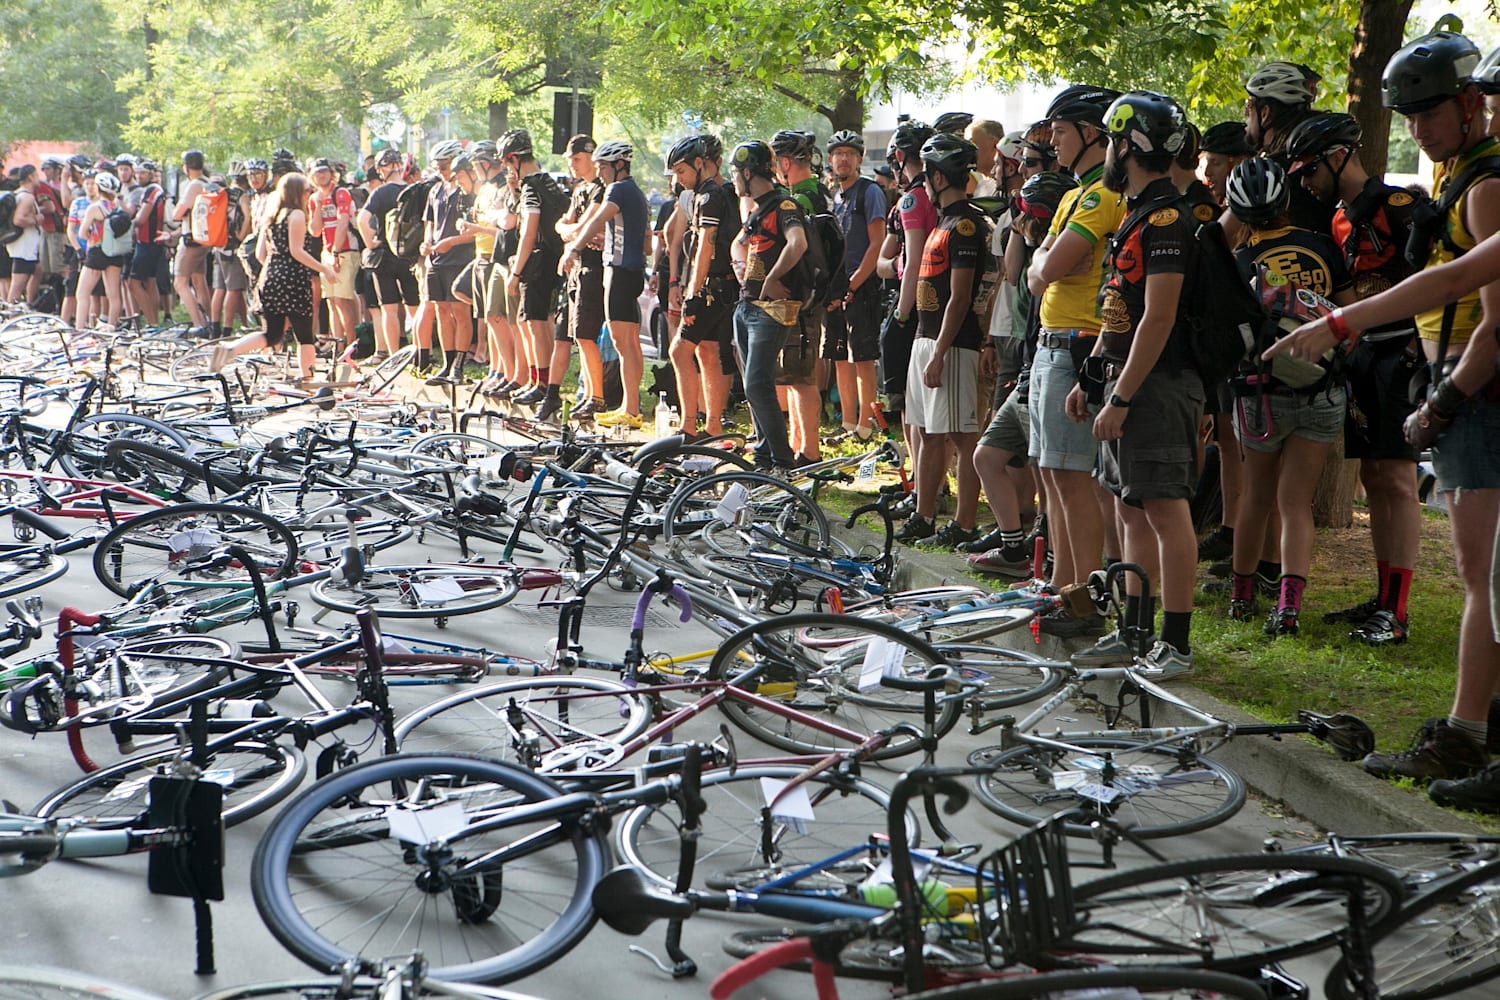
(286, 289)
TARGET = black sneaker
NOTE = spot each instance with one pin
(1281, 621)
(952, 535)
(1215, 547)
(916, 529)
(1353, 616)
(530, 397)
(1382, 628)
(985, 542)
(1438, 752)
(1063, 624)
(1476, 793)
(550, 408)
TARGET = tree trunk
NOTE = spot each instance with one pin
(499, 118)
(849, 109)
(1333, 504)
(1377, 36)
(150, 36)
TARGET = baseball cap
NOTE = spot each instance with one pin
(581, 144)
(885, 171)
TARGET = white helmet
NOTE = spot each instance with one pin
(1282, 82)
(107, 182)
(448, 149)
(614, 152)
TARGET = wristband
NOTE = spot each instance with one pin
(1447, 397)
(1118, 403)
(1339, 326)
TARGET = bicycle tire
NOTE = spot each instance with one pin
(85, 453)
(362, 987)
(826, 683)
(130, 686)
(775, 584)
(456, 447)
(1183, 983)
(1233, 913)
(1420, 859)
(155, 469)
(875, 959)
(36, 982)
(1011, 677)
(1176, 791)
(255, 775)
(29, 568)
(785, 515)
(419, 591)
(332, 847)
(1442, 941)
(379, 378)
(570, 732)
(181, 542)
(847, 811)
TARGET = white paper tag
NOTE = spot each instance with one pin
(1068, 779)
(492, 463)
(438, 590)
(882, 875)
(126, 791)
(1099, 793)
(220, 776)
(883, 658)
(393, 646)
(424, 826)
(794, 808)
(183, 542)
(866, 470)
(222, 431)
(732, 502)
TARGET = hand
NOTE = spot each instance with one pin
(1425, 425)
(513, 285)
(690, 309)
(989, 362)
(424, 249)
(1109, 423)
(330, 273)
(932, 375)
(1308, 342)
(653, 284)
(463, 225)
(774, 289)
(338, 260)
(674, 297)
(1077, 405)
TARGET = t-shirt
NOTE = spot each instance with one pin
(587, 194)
(382, 200)
(75, 217)
(714, 206)
(625, 234)
(446, 204)
(327, 210)
(1158, 244)
(49, 203)
(855, 207)
(1306, 259)
(1093, 212)
(149, 213)
(548, 240)
(486, 200)
(916, 209)
(775, 215)
(957, 241)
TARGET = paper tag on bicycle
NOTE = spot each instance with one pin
(494, 463)
(220, 776)
(883, 658)
(882, 875)
(793, 808)
(438, 590)
(1068, 779)
(1097, 792)
(184, 542)
(389, 645)
(732, 502)
(425, 826)
(866, 470)
(222, 431)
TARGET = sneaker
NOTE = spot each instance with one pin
(1281, 621)
(1353, 616)
(1476, 793)
(985, 542)
(1382, 628)
(530, 397)
(551, 407)
(1035, 588)
(588, 409)
(1064, 624)
(994, 561)
(1165, 663)
(619, 418)
(1439, 751)
(1242, 610)
(952, 535)
(915, 529)
(221, 357)
(441, 378)
(1215, 547)
(1110, 651)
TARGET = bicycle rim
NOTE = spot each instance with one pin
(189, 542)
(418, 591)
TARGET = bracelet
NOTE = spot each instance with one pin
(1339, 326)
(1446, 398)
(673, 283)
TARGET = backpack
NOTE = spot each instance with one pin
(211, 217)
(117, 240)
(404, 228)
(148, 217)
(234, 223)
(554, 207)
(9, 232)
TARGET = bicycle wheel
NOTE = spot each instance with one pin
(35, 982)
(1010, 677)
(255, 776)
(435, 591)
(1153, 791)
(1442, 941)
(29, 568)
(360, 988)
(778, 586)
(732, 511)
(337, 875)
(1183, 983)
(838, 686)
(1418, 859)
(741, 847)
(1233, 913)
(163, 471)
(462, 448)
(546, 724)
(189, 542)
(379, 378)
(965, 626)
(84, 453)
(879, 959)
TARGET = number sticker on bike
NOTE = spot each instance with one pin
(788, 805)
(883, 658)
(438, 591)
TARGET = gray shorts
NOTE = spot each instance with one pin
(1466, 456)
(53, 259)
(229, 273)
(1156, 456)
(1010, 430)
(1056, 441)
(1263, 423)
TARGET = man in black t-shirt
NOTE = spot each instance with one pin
(390, 275)
(585, 284)
(534, 278)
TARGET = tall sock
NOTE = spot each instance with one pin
(1176, 627)
(1398, 589)
(1242, 587)
(1383, 578)
(543, 376)
(455, 362)
(424, 357)
(1477, 730)
(1132, 608)
(531, 371)
(1291, 592)
(1012, 544)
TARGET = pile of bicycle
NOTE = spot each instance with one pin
(482, 831)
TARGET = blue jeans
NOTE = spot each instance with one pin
(759, 339)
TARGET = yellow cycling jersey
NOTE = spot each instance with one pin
(1467, 310)
(1093, 212)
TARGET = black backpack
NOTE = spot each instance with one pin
(821, 269)
(404, 226)
(554, 206)
(9, 232)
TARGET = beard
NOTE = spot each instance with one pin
(1114, 171)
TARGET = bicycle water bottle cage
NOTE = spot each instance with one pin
(1347, 734)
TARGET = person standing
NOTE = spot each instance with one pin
(333, 217)
(395, 285)
(26, 250)
(583, 262)
(533, 279)
(852, 328)
(190, 267)
(448, 252)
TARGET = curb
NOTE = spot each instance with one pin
(1309, 780)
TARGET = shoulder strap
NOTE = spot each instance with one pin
(1135, 218)
(1488, 166)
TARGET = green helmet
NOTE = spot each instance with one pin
(1425, 73)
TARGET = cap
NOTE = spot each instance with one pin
(885, 171)
(321, 163)
(581, 144)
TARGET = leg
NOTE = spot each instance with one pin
(715, 385)
(681, 353)
(967, 512)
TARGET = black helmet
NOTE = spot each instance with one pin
(1486, 75)
(754, 156)
(952, 122)
(1258, 191)
(687, 149)
(282, 153)
(1041, 194)
(950, 156)
(1082, 104)
(1318, 135)
(1226, 139)
(794, 143)
(388, 156)
(486, 150)
(1149, 123)
(515, 142)
(846, 139)
(1283, 82)
(1425, 73)
(908, 138)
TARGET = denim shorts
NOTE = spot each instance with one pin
(1467, 457)
(1056, 441)
(1263, 423)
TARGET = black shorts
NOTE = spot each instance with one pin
(98, 260)
(895, 351)
(1378, 376)
(395, 284)
(276, 327)
(852, 333)
(622, 293)
(148, 260)
(539, 286)
(1156, 457)
(20, 265)
(585, 304)
(440, 283)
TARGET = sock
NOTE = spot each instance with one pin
(531, 371)
(543, 376)
(1383, 581)
(1291, 592)
(1175, 629)
(1397, 591)
(1268, 570)
(1226, 532)
(1476, 730)
(554, 392)
(1012, 544)
(1242, 587)
(851, 428)
(424, 357)
(455, 362)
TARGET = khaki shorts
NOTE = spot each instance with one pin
(53, 259)
(191, 260)
(342, 285)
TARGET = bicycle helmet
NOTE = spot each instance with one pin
(148, 165)
(1486, 75)
(614, 152)
(1149, 123)
(846, 139)
(485, 150)
(1320, 135)
(953, 122)
(754, 156)
(686, 150)
(1258, 191)
(908, 138)
(108, 182)
(1226, 139)
(1082, 104)
(1282, 82)
(255, 164)
(387, 157)
(516, 142)
(448, 149)
(794, 143)
(1041, 194)
(80, 161)
(1425, 73)
(950, 156)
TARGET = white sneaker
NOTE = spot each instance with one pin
(1165, 663)
(221, 357)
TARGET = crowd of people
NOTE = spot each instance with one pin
(1024, 302)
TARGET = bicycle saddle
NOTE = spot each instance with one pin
(628, 902)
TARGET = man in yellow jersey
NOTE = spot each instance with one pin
(1067, 272)
(1429, 82)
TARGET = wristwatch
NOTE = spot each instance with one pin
(1116, 401)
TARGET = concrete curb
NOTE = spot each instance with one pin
(1307, 778)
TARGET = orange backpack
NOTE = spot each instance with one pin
(211, 217)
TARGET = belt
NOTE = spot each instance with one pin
(1062, 340)
(1113, 371)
